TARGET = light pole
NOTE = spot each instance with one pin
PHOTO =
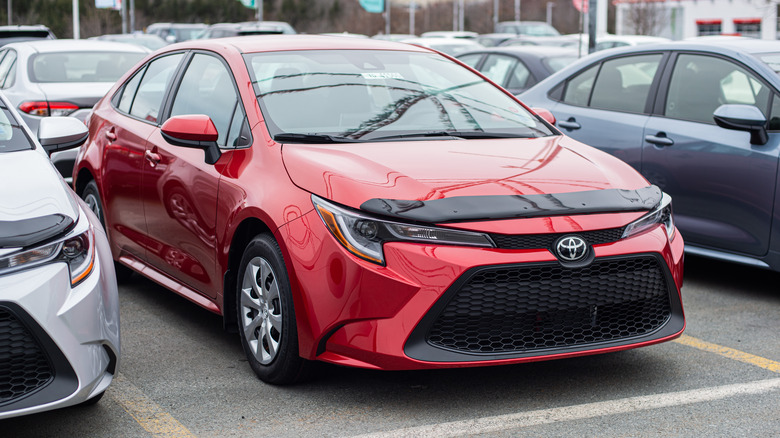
(550, 6)
(9, 12)
(517, 10)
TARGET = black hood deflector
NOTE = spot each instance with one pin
(28, 232)
(479, 208)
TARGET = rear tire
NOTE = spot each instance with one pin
(265, 314)
(91, 197)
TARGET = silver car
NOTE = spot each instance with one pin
(62, 78)
(59, 307)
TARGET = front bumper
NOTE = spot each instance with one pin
(59, 345)
(356, 313)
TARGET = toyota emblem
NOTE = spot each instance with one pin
(571, 248)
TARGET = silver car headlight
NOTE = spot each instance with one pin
(661, 214)
(77, 250)
(363, 235)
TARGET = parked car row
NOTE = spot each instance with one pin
(371, 203)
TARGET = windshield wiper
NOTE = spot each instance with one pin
(312, 138)
(453, 134)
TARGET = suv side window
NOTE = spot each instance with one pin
(207, 88)
(151, 91)
(700, 84)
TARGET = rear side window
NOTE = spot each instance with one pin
(7, 69)
(624, 83)
(151, 91)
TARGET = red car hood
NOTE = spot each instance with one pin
(353, 173)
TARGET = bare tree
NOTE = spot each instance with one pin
(645, 17)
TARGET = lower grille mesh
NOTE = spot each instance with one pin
(525, 308)
(24, 367)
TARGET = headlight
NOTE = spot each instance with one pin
(363, 235)
(77, 250)
(662, 214)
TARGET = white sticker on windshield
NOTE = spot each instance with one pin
(382, 75)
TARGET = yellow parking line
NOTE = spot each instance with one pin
(146, 412)
(730, 353)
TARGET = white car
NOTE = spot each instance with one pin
(62, 78)
(59, 307)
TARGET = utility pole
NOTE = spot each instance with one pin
(76, 24)
(517, 10)
(259, 6)
(388, 6)
(9, 12)
(412, 10)
(495, 15)
(462, 16)
(550, 6)
(123, 9)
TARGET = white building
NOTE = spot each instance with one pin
(680, 19)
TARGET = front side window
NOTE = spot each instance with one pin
(369, 95)
(155, 82)
(207, 88)
(700, 84)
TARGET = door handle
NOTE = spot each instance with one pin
(659, 139)
(152, 158)
(111, 135)
(571, 123)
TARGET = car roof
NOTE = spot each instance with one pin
(48, 46)
(272, 43)
(540, 51)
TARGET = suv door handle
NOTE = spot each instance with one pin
(111, 135)
(660, 139)
(571, 123)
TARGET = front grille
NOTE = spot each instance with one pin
(525, 308)
(24, 366)
(537, 241)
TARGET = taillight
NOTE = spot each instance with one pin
(43, 108)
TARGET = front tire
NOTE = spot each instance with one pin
(265, 314)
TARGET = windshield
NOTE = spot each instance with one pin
(12, 136)
(365, 95)
(81, 66)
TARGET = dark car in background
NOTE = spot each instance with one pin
(16, 33)
(518, 68)
(699, 119)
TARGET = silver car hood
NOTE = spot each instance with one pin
(33, 198)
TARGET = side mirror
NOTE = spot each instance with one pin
(193, 131)
(545, 114)
(743, 118)
(60, 133)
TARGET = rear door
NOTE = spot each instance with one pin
(723, 187)
(607, 105)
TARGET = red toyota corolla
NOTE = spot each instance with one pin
(377, 205)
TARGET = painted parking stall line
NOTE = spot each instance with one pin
(579, 412)
(730, 353)
(591, 410)
(146, 412)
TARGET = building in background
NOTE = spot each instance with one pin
(680, 19)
